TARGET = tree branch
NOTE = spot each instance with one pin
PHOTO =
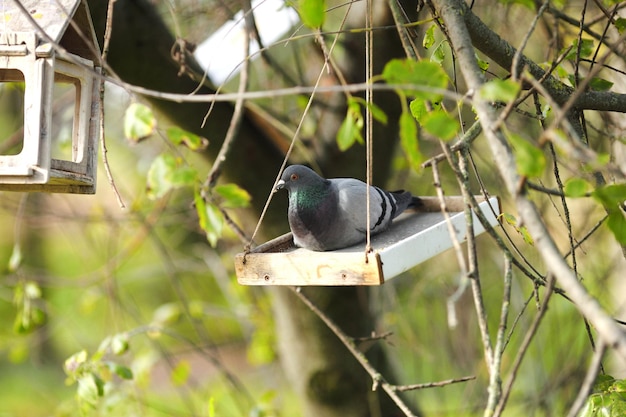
(458, 20)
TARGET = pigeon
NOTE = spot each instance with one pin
(328, 214)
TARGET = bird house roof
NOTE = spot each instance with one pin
(64, 22)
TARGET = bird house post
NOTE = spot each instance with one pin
(48, 51)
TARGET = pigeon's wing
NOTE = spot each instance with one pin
(352, 204)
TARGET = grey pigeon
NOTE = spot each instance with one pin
(328, 214)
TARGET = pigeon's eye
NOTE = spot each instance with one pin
(294, 177)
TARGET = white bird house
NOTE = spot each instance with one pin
(49, 62)
(411, 239)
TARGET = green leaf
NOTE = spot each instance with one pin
(611, 196)
(120, 370)
(119, 343)
(139, 122)
(425, 74)
(180, 373)
(210, 218)
(377, 113)
(351, 127)
(530, 160)
(16, 257)
(233, 195)
(600, 84)
(440, 124)
(74, 362)
(211, 407)
(439, 53)
(418, 109)
(167, 173)
(586, 49)
(158, 175)
(482, 64)
(166, 314)
(180, 136)
(90, 388)
(312, 12)
(429, 37)
(523, 232)
(409, 142)
(620, 24)
(500, 90)
(617, 224)
(576, 187)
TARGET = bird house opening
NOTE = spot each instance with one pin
(11, 111)
(64, 119)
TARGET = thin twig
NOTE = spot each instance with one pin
(103, 144)
(452, 320)
(377, 378)
(444, 383)
(495, 381)
(530, 334)
(590, 377)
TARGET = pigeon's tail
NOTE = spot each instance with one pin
(405, 200)
(416, 202)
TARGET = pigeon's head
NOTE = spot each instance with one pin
(297, 177)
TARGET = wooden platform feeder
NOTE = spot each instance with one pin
(411, 239)
(29, 57)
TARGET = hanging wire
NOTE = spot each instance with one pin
(369, 48)
(296, 137)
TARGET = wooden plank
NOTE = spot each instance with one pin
(303, 267)
(411, 239)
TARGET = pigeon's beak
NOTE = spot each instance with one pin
(279, 185)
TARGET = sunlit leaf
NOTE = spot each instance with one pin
(620, 24)
(429, 36)
(482, 64)
(409, 142)
(166, 314)
(73, 363)
(233, 195)
(119, 343)
(180, 373)
(425, 74)
(90, 388)
(440, 124)
(586, 49)
(210, 218)
(530, 160)
(158, 175)
(211, 407)
(167, 173)
(180, 136)
(523, 232)
(139, 122)
(16, 257)
(439, 53)
(312, 12)
(500, 90)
